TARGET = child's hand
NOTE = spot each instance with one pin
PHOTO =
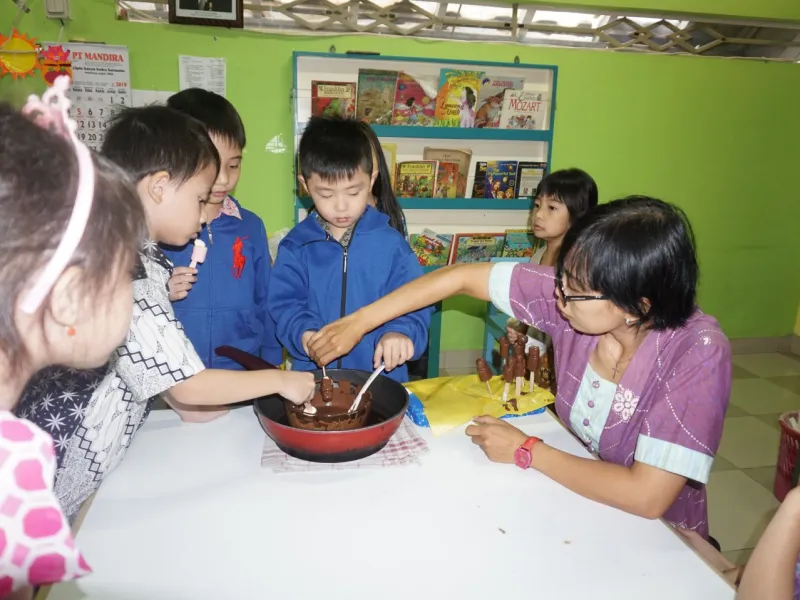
(297, 386)
(181, 282)
(393, 350)
(304, 340)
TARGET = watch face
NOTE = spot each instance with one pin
(522, 458)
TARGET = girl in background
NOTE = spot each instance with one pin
(562, 198)
(71, 228)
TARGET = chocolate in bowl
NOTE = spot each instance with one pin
(336, 416)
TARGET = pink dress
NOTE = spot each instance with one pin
(36, 544)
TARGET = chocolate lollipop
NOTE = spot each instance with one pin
(505, 345)
(326, 388)
(519, 373)
(533, 364)
(508, 376)
(546, 375)
(484, 373)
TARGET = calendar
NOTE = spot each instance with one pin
(100, 84)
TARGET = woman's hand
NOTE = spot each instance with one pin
(181, 282)
(497, 438)
(335, 339)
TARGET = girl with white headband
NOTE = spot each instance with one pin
(69, 235)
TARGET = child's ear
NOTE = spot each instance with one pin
(65, 299)
(302, 181)
(156, 185)
(373, 178)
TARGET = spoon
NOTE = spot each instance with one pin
(373, 377)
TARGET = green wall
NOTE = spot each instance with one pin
(712, 135)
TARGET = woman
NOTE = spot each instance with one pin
(69, 235)
(644, 376)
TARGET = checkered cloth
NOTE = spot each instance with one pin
(404, 448)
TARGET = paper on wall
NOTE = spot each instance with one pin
(202, 72)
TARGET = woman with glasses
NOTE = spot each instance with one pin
(644, 376)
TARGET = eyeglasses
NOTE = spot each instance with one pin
(567, 299)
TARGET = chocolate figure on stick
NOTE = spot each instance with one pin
(326, 389)
(508, 377)
(545, 374)
(484, 373)
(505, 346)
(533, 364)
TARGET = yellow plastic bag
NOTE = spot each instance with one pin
(453, 401)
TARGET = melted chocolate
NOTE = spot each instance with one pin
(333, 414)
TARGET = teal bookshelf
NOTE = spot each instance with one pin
(468, 214)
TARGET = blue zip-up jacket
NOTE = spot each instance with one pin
(316, 281)
(228, 306)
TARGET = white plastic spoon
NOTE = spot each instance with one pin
(373, 377)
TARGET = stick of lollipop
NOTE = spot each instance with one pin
(533, 364)
(508, 377)
(198, 253)
(484, 373)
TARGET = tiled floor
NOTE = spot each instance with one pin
(741, 502)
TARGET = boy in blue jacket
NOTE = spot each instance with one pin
(224, 300)
(343, 256)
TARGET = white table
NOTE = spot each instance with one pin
(191, 514)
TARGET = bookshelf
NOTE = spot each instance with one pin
(444, 215)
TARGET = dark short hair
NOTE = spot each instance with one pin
(215, 112)
(633, 249)
(38, 185)
(146, 140)
(334, 148)
(574, 188)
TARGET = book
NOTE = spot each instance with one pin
(457, 97)
(375, 98)
(490, 99)
(475, 247)
(416, 179)
(333, 98)
(414, 102)
(519, 243)
(447, 177)
(390, 154)
(529, 176)
(501, 179)
(431, 248)
(461, 157)
(479, 181)
(523, 110)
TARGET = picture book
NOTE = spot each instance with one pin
(529, 176)
(462, 158)
(431, 248)
(446, 180)
(524, 110)
(490, 99)
(501, 179)
(457, 99)
(476, 247)
(333, 98)
(390, 154)
(416, 179)
(479, 181)
(519, 243)
(375, 98)
(414, 102)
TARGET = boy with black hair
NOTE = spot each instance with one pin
(345, 255)
(94, 415)
(223, 302)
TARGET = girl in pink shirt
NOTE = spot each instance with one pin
(70, 231)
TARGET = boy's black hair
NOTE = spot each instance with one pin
(574, 188)
(147, 140)
(385, 200)
(212, 110)
(334, 148)
(634, 249)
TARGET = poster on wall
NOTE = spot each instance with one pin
(216, 13)
(101, 84)
(202, 72)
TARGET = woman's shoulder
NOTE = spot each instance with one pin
(700, 340)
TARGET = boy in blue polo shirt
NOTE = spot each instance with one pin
(224, 300)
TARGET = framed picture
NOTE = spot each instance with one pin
(214, 13)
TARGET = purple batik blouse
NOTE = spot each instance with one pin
(669, 406)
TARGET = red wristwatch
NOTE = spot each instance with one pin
(523, 455)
